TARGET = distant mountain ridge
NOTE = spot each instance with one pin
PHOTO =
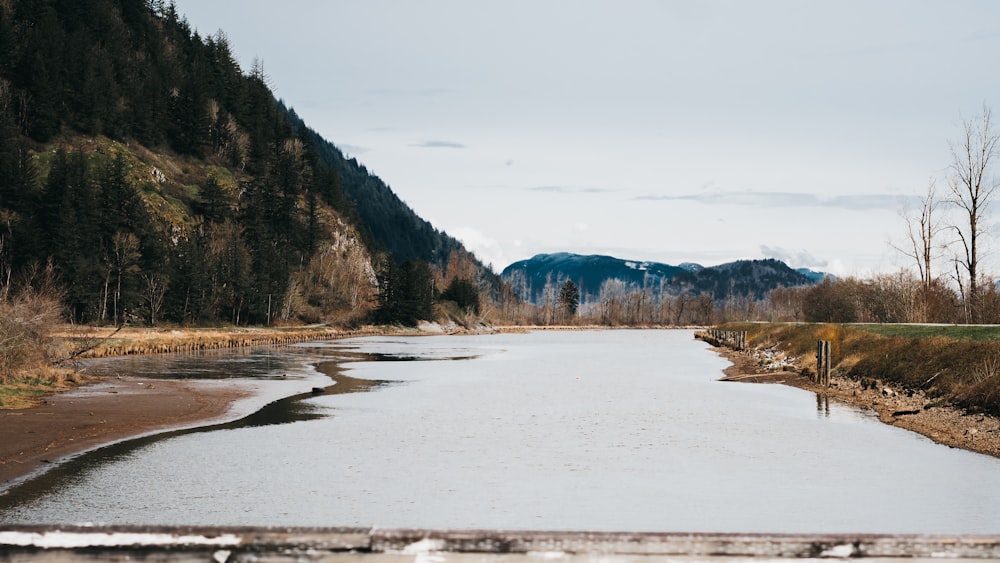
(533, 279)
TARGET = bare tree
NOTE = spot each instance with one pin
(156, 290)
(972, 190)
(922, 233)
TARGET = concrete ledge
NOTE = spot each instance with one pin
(371, 545)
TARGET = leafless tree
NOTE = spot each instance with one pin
(922, 232)
(613, 296)
(155, 291)
(972, 189)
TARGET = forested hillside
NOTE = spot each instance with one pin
(529, 278)
(539, 278)
(159, 181)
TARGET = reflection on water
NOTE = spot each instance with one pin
(823, 405)
(616, 430)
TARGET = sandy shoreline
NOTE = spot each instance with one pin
(112, 409)
(107, 410)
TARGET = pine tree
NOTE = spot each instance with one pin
(569, 298)
(464, 293)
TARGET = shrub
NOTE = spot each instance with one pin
(27, 320)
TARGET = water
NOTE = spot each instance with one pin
(604, 430)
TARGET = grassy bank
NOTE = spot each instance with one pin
(959, 365)
(94, 342)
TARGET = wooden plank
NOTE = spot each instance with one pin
(375, 545)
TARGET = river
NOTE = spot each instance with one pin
(590, 430)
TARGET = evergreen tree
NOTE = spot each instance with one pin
(569, 298)
(215, 204)
(463, 293)
(406, 293)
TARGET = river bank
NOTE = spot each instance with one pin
(107, 411)
(916, 412)
(102, 410)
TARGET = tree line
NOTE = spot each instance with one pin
(164, 184)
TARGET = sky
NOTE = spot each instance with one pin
(670, 131)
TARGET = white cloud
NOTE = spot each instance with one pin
(487, 249)
(795, 258)
(437, 144)
(789, 199)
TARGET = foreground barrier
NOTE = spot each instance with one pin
(371, 545)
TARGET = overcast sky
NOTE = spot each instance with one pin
(672, 131)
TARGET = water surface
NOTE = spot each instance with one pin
(603, 430)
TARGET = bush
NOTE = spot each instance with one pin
(27, 320)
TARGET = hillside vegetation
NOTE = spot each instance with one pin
(954, 364)
(164, 184)
(146, 179)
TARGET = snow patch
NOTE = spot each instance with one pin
(547, 555)
(76, 540)
(843, 550)
(425, 545)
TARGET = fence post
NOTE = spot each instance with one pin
(819, 361)
(823, 362)
(826, 365)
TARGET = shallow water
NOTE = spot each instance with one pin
(604, 430)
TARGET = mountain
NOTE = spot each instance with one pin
(813, 275)
(544, 274)
(529, 277)
(742, 278)
(162, 182)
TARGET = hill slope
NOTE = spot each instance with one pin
(754, 278)
(164, 183)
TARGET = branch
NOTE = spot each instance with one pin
(84, 350)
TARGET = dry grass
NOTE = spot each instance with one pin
(27, 318)
(956, 369)
(27, 348)
(96, 342)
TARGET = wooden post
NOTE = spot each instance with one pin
(819, 361)
(826, 365)
(823, 362)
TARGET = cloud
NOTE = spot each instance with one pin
(435, 144)
(568, 190)
(791, 199)
(409, 93)
(794, 258)
(352, 149)
(487, 249)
